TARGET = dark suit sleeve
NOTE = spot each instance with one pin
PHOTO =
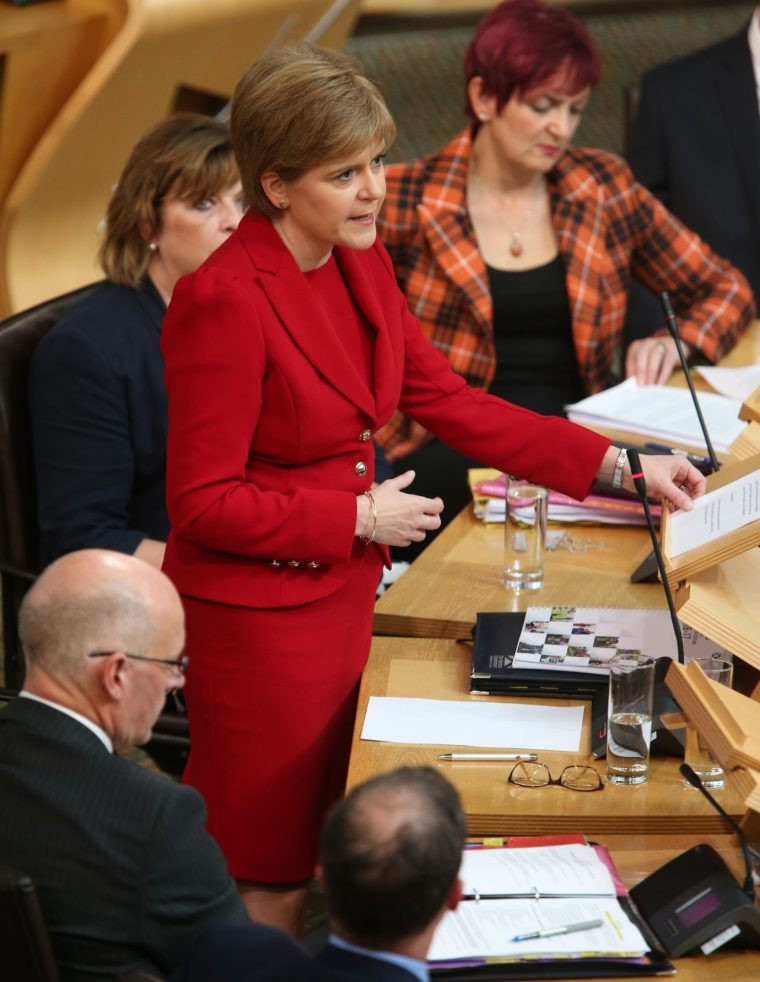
(647, 151)
(186, 885)
(82, 447)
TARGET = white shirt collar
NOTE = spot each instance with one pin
(417, 968)
(753, 36)
(99, 732)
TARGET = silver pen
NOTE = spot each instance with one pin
(553, 931)
(487, 756)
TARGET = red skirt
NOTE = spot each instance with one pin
(271, 699)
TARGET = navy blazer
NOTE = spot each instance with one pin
(695, 143)
(99, 421)
(125, 870)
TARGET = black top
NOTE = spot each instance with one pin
(99, 421)
(533, 336)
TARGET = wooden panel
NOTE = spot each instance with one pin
(50, 226)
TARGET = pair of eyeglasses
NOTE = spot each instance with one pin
(575, 777)
(175, 666)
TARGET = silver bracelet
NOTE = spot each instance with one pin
(368, 539)
(617, 475)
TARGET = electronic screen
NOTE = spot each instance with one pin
(698, 907)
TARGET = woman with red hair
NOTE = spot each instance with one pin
(515, 250)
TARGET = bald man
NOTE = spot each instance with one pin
(125, 871)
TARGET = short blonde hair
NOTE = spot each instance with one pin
(297, 108)
(187, 156)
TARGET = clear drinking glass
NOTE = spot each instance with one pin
(524, 535)
(629, 718)
(697, 754)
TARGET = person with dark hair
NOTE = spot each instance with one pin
(125, 871)
(515, 250)
(97, 397)
(695, 144)
(389, 858)
(284, 352)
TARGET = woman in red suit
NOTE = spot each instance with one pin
(284, 353)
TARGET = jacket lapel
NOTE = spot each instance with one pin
(442, 214)
(578, 217)
(737, 93)
(300, 311)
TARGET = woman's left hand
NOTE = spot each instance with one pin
(652, 360)
(670, 477)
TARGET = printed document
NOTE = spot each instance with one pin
(715, 514)
(553, 871)
(664, 413)
(485, 929)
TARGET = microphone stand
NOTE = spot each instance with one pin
(645, 571)
(638, 479)
(693, 779)
(672, 326)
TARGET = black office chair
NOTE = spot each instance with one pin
(25, 952)
(19, 533)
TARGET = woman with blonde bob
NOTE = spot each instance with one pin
(284, 353)
(98, 401)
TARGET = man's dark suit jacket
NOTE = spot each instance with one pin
(98, 410)
(125, 871)
(350, 966)
(254, 953)
(695, 143)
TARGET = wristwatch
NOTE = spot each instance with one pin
(617, 474)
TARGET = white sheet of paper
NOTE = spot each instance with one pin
(736, 383)
(573, 870)
(480, 930)
(716, 513)
(473, 724)
(663, 413)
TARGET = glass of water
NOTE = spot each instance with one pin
(524, 535)
(697, 754)
(629, 719)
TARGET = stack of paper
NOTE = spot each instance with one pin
(664, 413)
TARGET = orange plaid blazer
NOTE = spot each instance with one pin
(608, 228)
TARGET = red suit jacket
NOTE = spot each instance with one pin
(270, 421)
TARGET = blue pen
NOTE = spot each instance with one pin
(693, 458)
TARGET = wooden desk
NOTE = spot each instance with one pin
(440, 669)
(644, 827)
(460, 573)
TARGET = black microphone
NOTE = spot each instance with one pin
(695, 781)
(641, 487)
(672, 326)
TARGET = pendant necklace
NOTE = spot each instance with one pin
(515, 238)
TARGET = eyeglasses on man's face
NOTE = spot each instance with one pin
(575, 777)
(174, 666)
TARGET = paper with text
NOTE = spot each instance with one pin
(522, 726)
(485, 929)
(715, 514)
(560, 871)
(661, 412)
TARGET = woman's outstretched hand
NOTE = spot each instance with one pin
(401, 518)
(667, 476)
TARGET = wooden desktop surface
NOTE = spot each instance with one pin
(439, 669)
(643, 826)
(460, 573)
